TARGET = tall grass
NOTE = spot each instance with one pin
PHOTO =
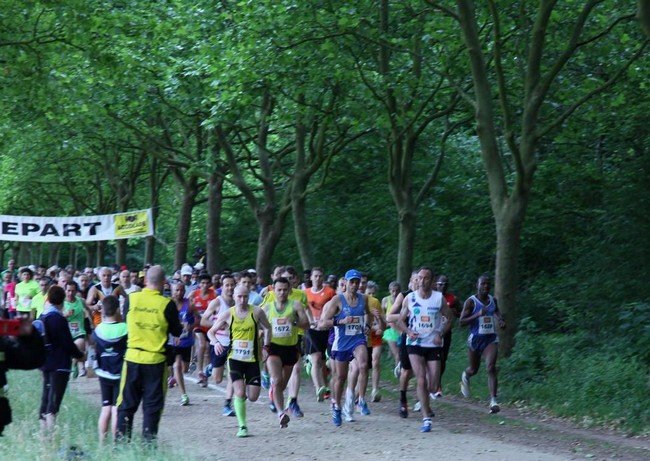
(75, 436)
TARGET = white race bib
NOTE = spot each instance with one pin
(74, 328)
(355, 327)
(282, 327)
(424, 325)
(242, 350)
(486, 325)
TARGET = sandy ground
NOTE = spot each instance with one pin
(461, 430)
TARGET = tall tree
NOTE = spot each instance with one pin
(527, 57)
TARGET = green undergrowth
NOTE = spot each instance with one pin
(75, 436)
(596, 385)
(568, 376)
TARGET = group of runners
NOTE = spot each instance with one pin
(258, 337)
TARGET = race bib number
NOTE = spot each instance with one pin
(355, 327)
(242, 350)
(74, 328)
(424, 325)
(486, 325)
(282, 327)
(26, 301)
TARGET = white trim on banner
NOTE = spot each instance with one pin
(76, 228)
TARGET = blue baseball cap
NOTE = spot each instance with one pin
(352, 274)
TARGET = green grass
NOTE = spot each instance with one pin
(76, 427)
(593, 387)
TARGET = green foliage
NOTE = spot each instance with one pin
(590, 383)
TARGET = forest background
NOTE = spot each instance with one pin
(507, 137)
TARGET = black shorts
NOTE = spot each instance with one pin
(248, 371)
(289, 355)
(430, 354)
(369, 358)
(110, 389)
(316, 341)
(404, 360)
(218, 361)
(184, 352)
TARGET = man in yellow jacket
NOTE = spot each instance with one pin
(150, 318)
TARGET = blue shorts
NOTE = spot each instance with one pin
(218, 361)
(348, 354)
(478, 343)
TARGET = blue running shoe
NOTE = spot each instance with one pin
(336, 415)
(363, 408)
(228, 410)
(266, 380)
(294, 408)
(207, 371)
(426, 425)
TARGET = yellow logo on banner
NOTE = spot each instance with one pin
(134, 224)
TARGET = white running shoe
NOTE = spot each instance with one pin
(464, 385)
(417, 406)
(397, 370)
(348, 406)
(494, 406)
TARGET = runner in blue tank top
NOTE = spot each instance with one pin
(481, 314)
(350, 316)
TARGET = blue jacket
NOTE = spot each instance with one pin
(60, 348)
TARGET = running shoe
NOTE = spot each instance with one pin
(375, 397)
(417, 406)
(348, 406)
(426, 425)
(272, 403)
(320, 394)
(207, 371)
(328, 394)
(363, 408)
(171, 382)
(494, 407)
(203, 380)
(398, 369)
(437, 394)
(336, 415)
(83, 372)
(464, 385)
(242, 432)
(295, 408)
(228, 410)
(284, 420)
(403, 410)
(266, 380)
(185, 400)
(192, 368)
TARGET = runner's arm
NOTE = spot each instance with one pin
(302, 319)
(395, 309)
(330, 309)
(466, 315)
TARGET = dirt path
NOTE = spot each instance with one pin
(461, 430)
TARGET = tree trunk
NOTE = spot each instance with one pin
(101, 251)
(120, 251)
(215, 202)
(509, 223)
(53, 253)
(72, 260)
(270, 231)
(89, 254)
(405, 244)
(300, 227)
(190, 191)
